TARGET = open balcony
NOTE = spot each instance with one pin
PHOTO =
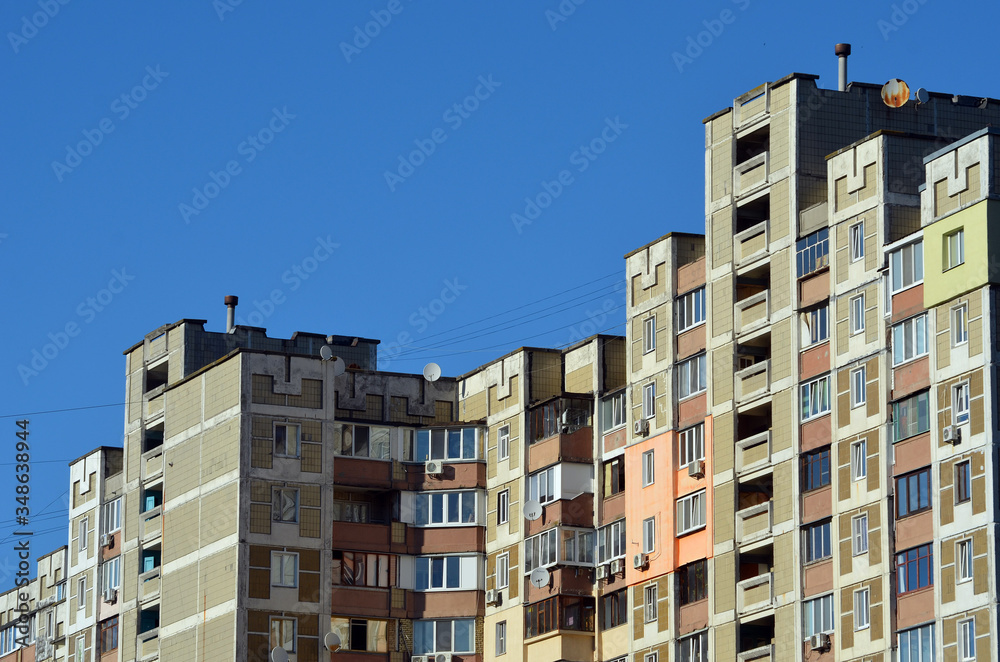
(149, 585)
(753, 453)
(151, 526)
(759, 654)
(147, 646)
(753, 312)
(753, 381)
(751, 174)
(755, 594)
(151, 464)
(752, 243)
(754, 524)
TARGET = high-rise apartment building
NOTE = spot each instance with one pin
(789, 455)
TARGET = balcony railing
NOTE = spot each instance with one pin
(149, 585)
(152, 524)
(752, 244)
(753, 382)
(753, 452)
(753, 523)
(755, 594)
(750, 174)
(753, 312)
(151, 465)
(154, 406)
(148, 645)
(759, 654)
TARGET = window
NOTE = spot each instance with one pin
(857, 238)
(503, 570)
(692, 582)
(911, 416)
(862, 609)
(859, 534)
(692, 444)
(967, 640)
(818, 615)
(913, 493)
(650, 597)
(963, 559)
(81, 646)
(857, 314)
(915, 569)
(648, 335)
(283, 633)
(83, 533)
(562, 612)
(558, 416)
(693, 648)
(361, 441)
(691, 513)
(447, 508)
(816, 469)
(909, 339)
(648, 466)
(501, 638)
(611, 541)
(954, 249)
(906, 266)
(360, 569)
(286, 439)
(917, 644)
(859, 459)
(648, 535)
(111, 574)
(577, 545)
(503, 506)
(816, 540)
(363, 634)
(960, 403)
(691, 310)
(812, 252)
(503, 442)
(541, 550)
(815, 398)
(613, 414)
(542, 486)
(858, 378)
(352, 511)
(963, 481)
(614, 476)
(649, 400)
(109, 635)
(614, 609)
(446, 636)
(959, 325)
(112, 519)
(443, 572)
(450, 444)
(81, 592)
(284, 569)
(285, 505)
(692, 376)
(815, 326)
(651, 657)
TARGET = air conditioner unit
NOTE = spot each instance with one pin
(442, 657)
(111, 596)
(418, 658)
(697, 469)
(952, 434)
(641, 428)
(107, 539)
(819, 641)
(433, 467)
(493, 597)
(639, 561)
(601, 572)
(617, 566)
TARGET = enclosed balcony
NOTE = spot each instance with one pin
(560, 430)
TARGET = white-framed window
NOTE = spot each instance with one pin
(692, 444)
(503, 507)
(649, 535)
(859, 459)
(501, 637)
(858, 379)
(611, 541)
(954, 249)
(909, 339)
(859, 534)
(111, 574)
(862, 609)
(446, 508)
(503, 570)
(284, 569)
(285, 504)
(451, 444)
(650, 597)
(614, 414)
(906, 266)
(959, 325)
(963, 560)
(817, 615)
(83, 530)
(816, 398)
(503, 442)
(917, 644)
(81, 592)
(541, 550)
(112, 519)
(283, 633)
(691, 310)
(81, 648)
(960, 403)
(967, 640)
(651, 657)
(857, 238)
(649, 334)
(815, 325)
(648, 467)
(692, 376)
(434, 573)
(816, 542)
(286, 439)
(649, 400)
(444, 636)
(857, 314)
(691, 512)
(693, 648)
(542, 486)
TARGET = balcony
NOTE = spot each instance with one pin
(751, 174)
(154, 406)
(151, 464)
(576, 446)
(149, 585)
(754, 523)
(753, 382)
(751, 244)
(753, 452)
(755, 594)
(151, 525)
(759, 654)
(147, 645)
(753, 312)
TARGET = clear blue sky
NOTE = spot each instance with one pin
(287, 121)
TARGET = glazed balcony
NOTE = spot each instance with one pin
(576, 446)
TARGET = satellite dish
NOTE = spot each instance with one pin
(338, 366)
(532, 509)
(895, 93)
(325, 352)
(332, 641)
(278, 654)
(432, 372)
(922, 96)
(539, 577)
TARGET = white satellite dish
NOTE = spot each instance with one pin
(539, 577)
(338, 366)
(432, 372)
(922, 96)
(278, 654)
(325, 352)
(532, 510)
(332, 641)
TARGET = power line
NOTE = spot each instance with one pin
(59, 411)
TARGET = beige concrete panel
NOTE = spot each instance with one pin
(220, 451)
(786, 647)
(222, 387)
(180, 530)
(778, 225)
(722, 235)
(782, 349)
(871, 313)
(722, 304)
(723, 442)
(784, 568)
(474, 407)
(219, 635)
(219, 514)
(130, 568)
(218, 578)
(782, 420)
(182, 468)
(724, 500)
(724, 645)
(781, 284)
(181, 586)
(580, 380)
(976, 337)
(184, 404)
(725, 582)
(722, 374)
(722, 169)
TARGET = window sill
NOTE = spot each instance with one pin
(690, 531)
(806, 564)
(913, 513)
(908, 287)
(922, 589)
(692, 395)
(816, 416)
(818, 343)
(910, 360)
(693, 326)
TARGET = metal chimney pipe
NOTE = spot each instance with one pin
(231, 302)
(842, 51)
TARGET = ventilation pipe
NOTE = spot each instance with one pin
(231, 302)
(842, 51)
